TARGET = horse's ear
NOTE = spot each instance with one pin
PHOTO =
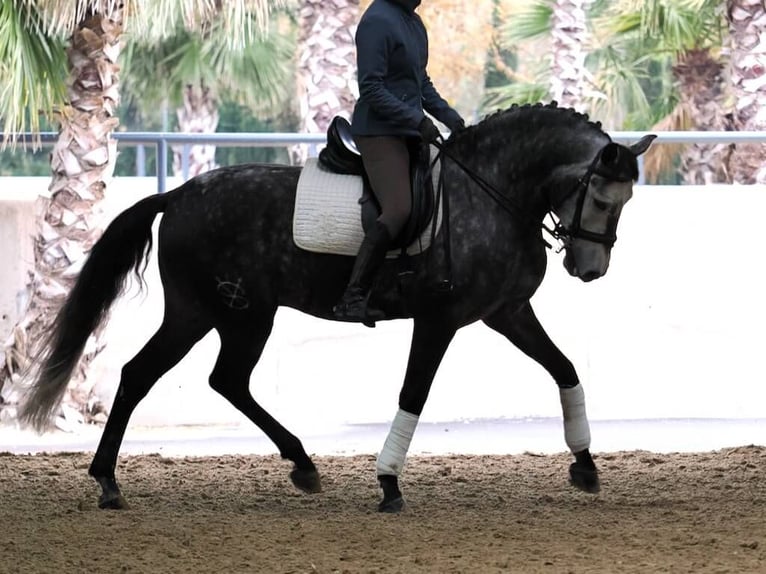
(615, 162)
(610, 154)
(642, 145)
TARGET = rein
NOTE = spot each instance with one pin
(509, 205)
(560, 232)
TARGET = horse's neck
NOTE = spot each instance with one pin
(516, 172)
(533, 168)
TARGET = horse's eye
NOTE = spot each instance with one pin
(602, 205)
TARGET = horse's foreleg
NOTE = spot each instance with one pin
(524, 330)
(429, 343)
(240, 350)
(166, 347)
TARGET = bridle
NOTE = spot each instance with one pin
(562, 234)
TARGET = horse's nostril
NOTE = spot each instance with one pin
(590, 276)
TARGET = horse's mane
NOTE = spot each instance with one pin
(544, 115)
(560, 134)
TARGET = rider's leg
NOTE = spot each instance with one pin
(387, 162)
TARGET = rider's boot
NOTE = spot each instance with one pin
(353, 304)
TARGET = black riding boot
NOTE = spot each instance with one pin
(353, 305)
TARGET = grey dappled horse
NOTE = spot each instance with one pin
(232, 227)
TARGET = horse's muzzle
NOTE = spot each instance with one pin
(586, 274)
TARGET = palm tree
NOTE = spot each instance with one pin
(683, 37)
(83, 157)
(651, 64)
(81, 163)
(569, 35)
(558, 28)
(747, 29)
(193, 70)
(32, 64)
(326, 74)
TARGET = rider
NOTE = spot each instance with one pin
(394, 90)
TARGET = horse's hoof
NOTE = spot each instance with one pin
(306, 480)
(112, 502)
(393, 506)
(583, 478)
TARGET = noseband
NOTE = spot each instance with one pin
(563, 234)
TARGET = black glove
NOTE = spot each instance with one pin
(428, 131)
(457, 126)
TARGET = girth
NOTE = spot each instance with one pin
(341, 156)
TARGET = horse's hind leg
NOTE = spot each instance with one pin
(524, 330)
(241, 347)
(170, 343)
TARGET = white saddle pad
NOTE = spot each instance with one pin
(328, 215)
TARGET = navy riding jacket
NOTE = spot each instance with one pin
(394, 87)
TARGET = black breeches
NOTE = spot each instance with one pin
(387, 162)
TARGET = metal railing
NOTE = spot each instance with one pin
(162, 140)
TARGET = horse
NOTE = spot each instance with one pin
(230, 229)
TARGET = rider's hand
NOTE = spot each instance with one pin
(457, 126)
(428, 130)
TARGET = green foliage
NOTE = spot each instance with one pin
(234, 117)
(633, 46)
(32, 65)
(257, 74)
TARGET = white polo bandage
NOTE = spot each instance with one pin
(391, 458)
(576, 428)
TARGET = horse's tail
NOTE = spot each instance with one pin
(123, 247)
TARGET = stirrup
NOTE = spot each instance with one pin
(353, 309)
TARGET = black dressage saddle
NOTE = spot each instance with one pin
(341, 156)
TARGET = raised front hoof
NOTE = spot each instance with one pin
(584, 478)
(115, 501)
(306, 480)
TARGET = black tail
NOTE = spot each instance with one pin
(123, 247)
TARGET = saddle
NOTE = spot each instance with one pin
(342, 156)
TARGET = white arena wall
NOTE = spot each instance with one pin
(674, 330)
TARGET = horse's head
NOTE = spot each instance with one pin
(589, 213)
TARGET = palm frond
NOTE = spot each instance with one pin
(517, 93)
(244, 21)
(530, 21)
(33, 65)
(256, 74)
(61, 17)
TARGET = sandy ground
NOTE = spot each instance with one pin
(690, 512)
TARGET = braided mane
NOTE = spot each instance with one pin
(547, 115)
(535, 137)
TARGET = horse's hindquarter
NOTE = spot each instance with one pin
(229, 232)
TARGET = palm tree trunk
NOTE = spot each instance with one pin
(327, 65)
(82, 161)
(568, 73)
(198, 114)
(747, 30)
(703, 90)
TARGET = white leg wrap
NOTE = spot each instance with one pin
(391, 458)
(576, 428)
